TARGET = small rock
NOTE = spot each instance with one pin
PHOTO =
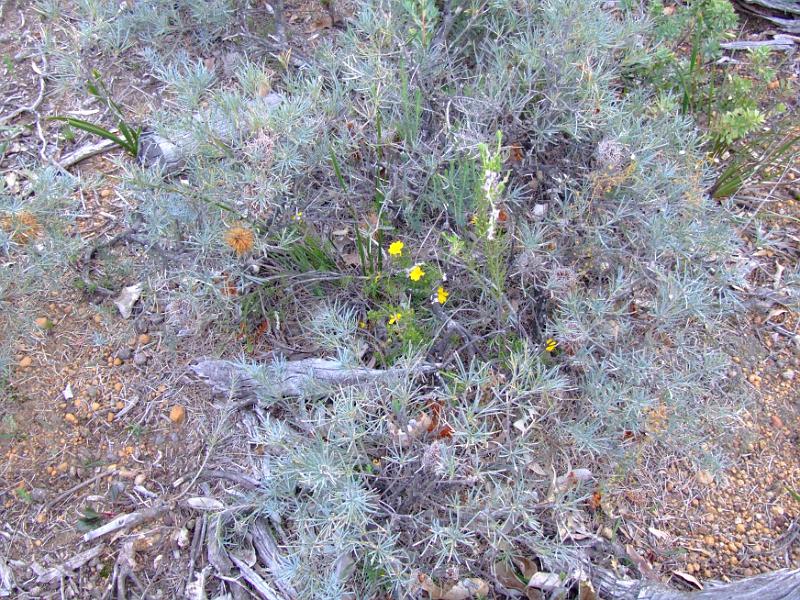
(607, 533)
(43, 322)
(124, 353)
(140, 359)
(776, 421)
(117, 361)
(25, 362)
(140, 479)
(539, 211)
(144, 339)
(177, 414)
(788, 375)
(71, 418)
(91, 391)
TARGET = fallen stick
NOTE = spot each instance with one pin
(254, 579)
(125, 521)
(779, 42)
(267, 550)
(75, 488)
(84, 152)
(73, 564)
(291, 378)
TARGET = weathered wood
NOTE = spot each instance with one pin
(778, 42)
(125, 521)
(309, 376)
(779, 585)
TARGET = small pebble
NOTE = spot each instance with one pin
(788, 375)
(140, 359)
(144, 339)
(70, 418)
(124, 353)
(25, 362)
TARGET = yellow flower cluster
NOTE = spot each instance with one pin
(396, 248)
(416, 273)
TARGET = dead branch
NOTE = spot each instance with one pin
(779, 585)
(68, 567)
(254, 579)
(267, 550)
(780, 41)
(314, 376)
(84, 152)
(125, 521)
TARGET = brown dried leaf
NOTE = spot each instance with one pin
(545, 581)
(463, 590)
(507, 572)
(586, 591)
(689, 579)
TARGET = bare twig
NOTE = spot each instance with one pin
(66, 494)
(73, 564)
(125, 521)
(259, 585)
(84, 152)
(34, 106)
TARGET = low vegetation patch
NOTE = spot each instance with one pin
(503, 204)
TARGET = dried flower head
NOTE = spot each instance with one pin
(240, 240)
(21, 226)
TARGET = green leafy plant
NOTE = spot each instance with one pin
(89, 519)
(128, 138)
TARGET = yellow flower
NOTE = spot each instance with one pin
(416, 273)
(396, 248)
(441, 295)
(240, 240)
(550, 345)
(394, 318)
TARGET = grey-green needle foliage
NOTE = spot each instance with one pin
(615, 254)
